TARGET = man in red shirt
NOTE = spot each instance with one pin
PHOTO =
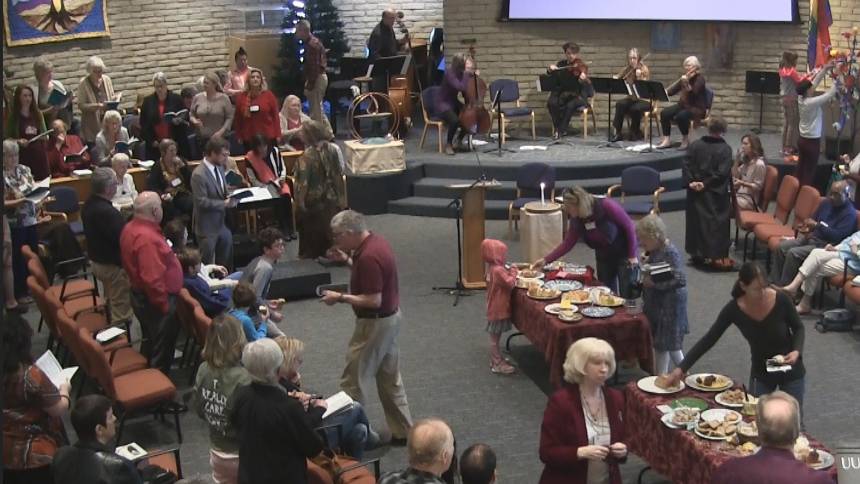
(375, 299)
(316, 80)
(156, 278)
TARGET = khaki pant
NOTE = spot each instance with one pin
(116, 288)
(373, 353)
(315, 99)
(820, 263)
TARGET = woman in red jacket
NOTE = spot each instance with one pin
(256, 112)
(582, 431)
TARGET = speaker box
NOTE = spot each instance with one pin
(297, 279)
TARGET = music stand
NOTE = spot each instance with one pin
(559, 80)
(386, 66)
(653, 91)
(761, 83)
(610, 86)
(496, 105)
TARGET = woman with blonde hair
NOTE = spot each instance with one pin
(353, 422)
(211, 110)
(292, 119)
(606, 228)
(319, 190)
(220, 374)
(584, 403)
(112, 131)
(155, 126)
(94, 92)
(256, 111)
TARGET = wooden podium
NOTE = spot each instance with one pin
(473, 233)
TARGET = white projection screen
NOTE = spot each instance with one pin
(661, 10)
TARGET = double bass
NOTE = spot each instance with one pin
(475, 118)
(400, 88)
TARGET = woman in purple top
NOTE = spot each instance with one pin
(447, 106)
(606, 228)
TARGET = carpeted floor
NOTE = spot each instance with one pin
(445, 363)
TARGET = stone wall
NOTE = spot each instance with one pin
(359, 18)
(522, 50)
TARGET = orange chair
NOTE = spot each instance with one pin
(767, 194)
(185, 305)
(350, 472)
(140, 391)
(71, 287)
(771, 234)
(785, 198)
(93, 320)
(202, 323)
(167, 459)
(75, 296)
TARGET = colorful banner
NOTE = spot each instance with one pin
(820, 20)
(37, 21)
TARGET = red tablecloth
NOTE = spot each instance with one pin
(629, 335)
(677, 454)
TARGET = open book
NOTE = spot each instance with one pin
(39, 136)
(214, 282)
(124, 146)
(51, 367)
(59, 97)
(337, 403)
(131, 451)
(114, 104)
(74, 157)
(169, 116)
(40, 191)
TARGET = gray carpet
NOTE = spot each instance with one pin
(445, 359)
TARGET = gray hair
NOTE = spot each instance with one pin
(694, 61)
(348, 221)
(583, 351)
(112, 115)
(42, 65)
(159, 77)
(95, 62)
(262, 359)
(120, 158)
(428, 440)
(10, 147)
(775, 428)
(653, 227)
(102, 179)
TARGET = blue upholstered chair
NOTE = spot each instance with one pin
(65, 205)
(510, 93)
(639, 180)
(430, 119)
(529, 178)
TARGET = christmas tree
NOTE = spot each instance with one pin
(325, 25)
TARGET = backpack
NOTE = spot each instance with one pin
(835, 320)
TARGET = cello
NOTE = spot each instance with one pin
(400, 88)
(475, 118)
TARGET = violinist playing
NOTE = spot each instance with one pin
(632, 106)
(691, 106)
(457, 77)
(563, 104)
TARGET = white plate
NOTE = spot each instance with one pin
(597, 312)
(825, 460)
(600, 288)
(719, 414)
(707, 437)
(82, 172)
(539, 275)
(667, 421)
(691, 381)
(555, 308)
(563, 285)
(719, 399)
(647, 385)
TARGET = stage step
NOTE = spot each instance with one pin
(432, 187)
(498, 209)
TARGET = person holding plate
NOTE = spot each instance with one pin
(769, 322)
(606, 228)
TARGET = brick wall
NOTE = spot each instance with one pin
(184, 38)
(522, 50)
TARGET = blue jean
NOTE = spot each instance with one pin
(354, 429)
(796, 388)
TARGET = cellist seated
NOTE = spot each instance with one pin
(563, 104)
(457, 77)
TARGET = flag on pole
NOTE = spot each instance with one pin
(820, 20)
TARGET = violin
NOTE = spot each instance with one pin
(628, 70)
(686, 77)
(474, 117)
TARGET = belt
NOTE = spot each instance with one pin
(375, 314)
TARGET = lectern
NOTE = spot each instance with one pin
(473, 234)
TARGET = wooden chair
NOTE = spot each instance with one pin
(585, 112)
(427, 97)
(639, 180)
(509, 92)
(529, 178)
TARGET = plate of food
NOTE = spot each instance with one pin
(735, 447)
(734, 398)
(608, 300)
(716, 429)
(709, 382)
(680, 418)
(524, 283)
(521, 266)
(657, 385)
(569, 316)
(723, 415)
(540, 293)
(597, 312)
(530, 274)
(580, 297)
(605, 289)
(563, 285)
(815, 458)
(556, 308)
(691, 402)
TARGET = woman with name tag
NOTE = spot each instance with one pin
(256, 112)
(605, 227)
(156, 124)
(25, 124)
(112, 133)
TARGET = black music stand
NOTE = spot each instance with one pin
(761, 83)
(559, 80)
(610, 86)
(653, 91)
(496, 105)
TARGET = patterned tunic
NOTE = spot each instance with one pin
(30, 435)
(666, 302)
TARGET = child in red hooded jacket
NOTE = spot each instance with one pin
(500, 282)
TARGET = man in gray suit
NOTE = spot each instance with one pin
(211, 202)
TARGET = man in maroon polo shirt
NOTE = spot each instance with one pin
(156, 278)
(375, 300)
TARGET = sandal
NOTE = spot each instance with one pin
(501, 367)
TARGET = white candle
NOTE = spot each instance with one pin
(542, 200)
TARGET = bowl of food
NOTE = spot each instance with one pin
(748, 432)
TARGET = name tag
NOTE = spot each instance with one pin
(176, 182)
(590, 225)
(30, 130)
(254, 108)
